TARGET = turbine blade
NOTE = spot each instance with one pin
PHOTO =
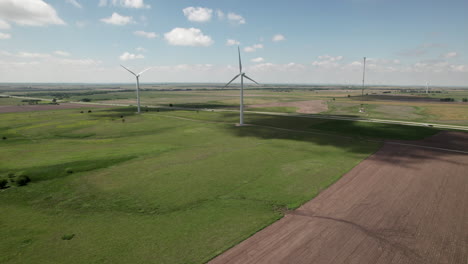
(232, 80)
(128, 70)
(144, 70)
(251, 79)
(240, 62)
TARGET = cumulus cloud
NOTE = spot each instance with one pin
(450, 55)
(34, 55)
(130, 56)
(74, 3)
(198, 14)
(4, 36)
(235, 18)
(187, 37)
(4, 25)
(118, 20)
(253, 48)
(28, 13)
(259, 59)
(327, 61)
(220, 14)
(278, 37)
(124, 3)
(272, 67)
(140, 49)
(150, 35)
(232, 42)
(61, 53)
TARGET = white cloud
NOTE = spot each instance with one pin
(198, 14)
(232, 42)
(259, 59)
(4, 25)
(450, 55)
(459, 68)
(62, 53)
(74, 3)
(124, 3)
(129, 56)
(235, 18)
(150, 35)
(81, 24)
(28, 13)
(78, 62)
(327, 61)
(4, 36)
(187, 37)
(220, 14)
(32, 55)
(271, 67)
(278, 37)
(253, 48)
(140, 49)
(118, 20)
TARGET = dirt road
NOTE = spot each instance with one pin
(403, 204)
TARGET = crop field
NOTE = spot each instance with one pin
(396, 103)
(110, 186)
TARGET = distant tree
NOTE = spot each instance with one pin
(170, 105)
(22, 180)
(85, 100)
(465, 100)
(54, 100)
(3, 183)
(89, 111)
(4, 138)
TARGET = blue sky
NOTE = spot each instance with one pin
(406, 42)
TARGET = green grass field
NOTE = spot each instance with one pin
(159, 188)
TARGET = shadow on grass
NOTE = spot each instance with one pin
(43, 173)
(358, 137)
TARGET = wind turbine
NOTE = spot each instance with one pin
(137, 84)
(242, 75)
(363, 76)
(427, 87)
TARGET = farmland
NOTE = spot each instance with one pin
(111, 186)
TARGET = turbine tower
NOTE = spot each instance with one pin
(137, 84)
(427, 87)
(242, 75)
(363, 76)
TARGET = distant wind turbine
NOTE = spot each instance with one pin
(427, 87)
(363, 76)
(242, 75)
(137, 84)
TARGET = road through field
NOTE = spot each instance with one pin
(403, 204)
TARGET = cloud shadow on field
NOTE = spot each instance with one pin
(355, 137)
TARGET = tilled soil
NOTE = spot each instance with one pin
(404, 204)
(306, 107)
(44, 107)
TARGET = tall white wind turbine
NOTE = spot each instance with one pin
(137, 84)
(242, 75)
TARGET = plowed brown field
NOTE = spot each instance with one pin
(404, 204)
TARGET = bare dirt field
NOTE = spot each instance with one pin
(44, 107)
(404, 204)
(306, 107)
